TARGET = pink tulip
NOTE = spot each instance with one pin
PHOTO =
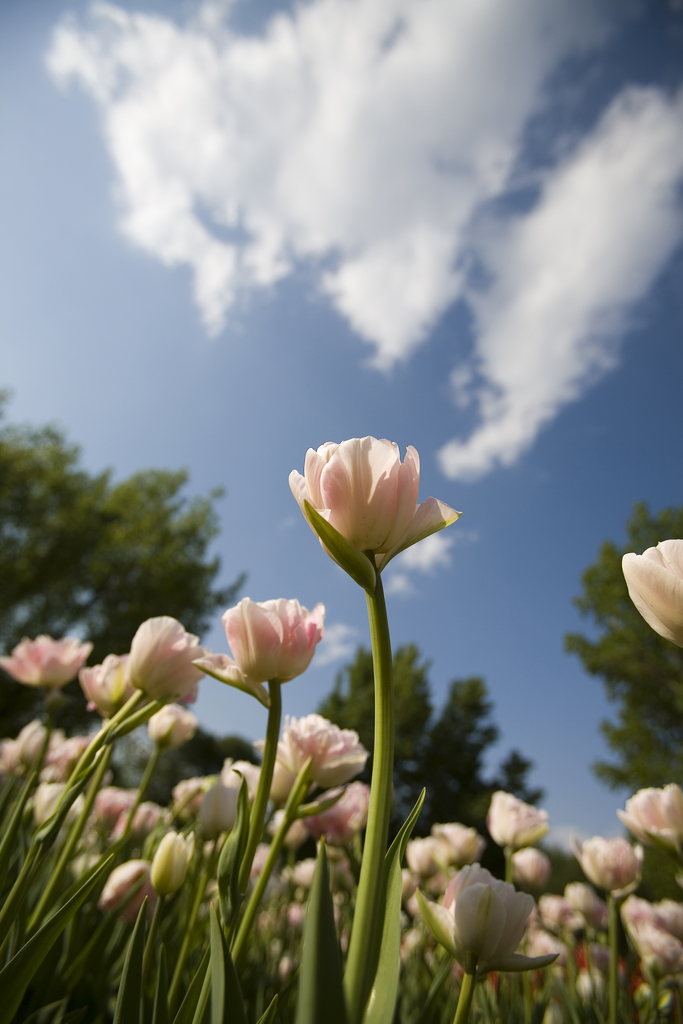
(655, 817)
(344, 819)
(110, 803)
(611, 864)
(513, 823)
(301, 874)
(541, 943)
(121, 881)
(270, 640)
(172, 726)
(337, 754)
(458, 844)
(423, 856)
(585, 901)
(557, 913)
(188, 796)
(218, 811)
(9, 758)
(161, 659)
(251, 774)
(62, 756)
(660, 952)
(655, 584)
(107, 686)
(46, 662)
(531, 868)
(369, 496)
(146, 818)
(30, 741)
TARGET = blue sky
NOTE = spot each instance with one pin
(233, 232)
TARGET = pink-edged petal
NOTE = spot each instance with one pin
(431, 516)
(359, 487)
(657, 594)
(223, 668)
(406, 497)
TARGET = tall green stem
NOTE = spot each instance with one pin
(258, 811)
(613, 960)
(367, 921)
(465, 999)
(142, 788)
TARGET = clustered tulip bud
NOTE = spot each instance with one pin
(45, 662)
(171, 862)
(161, 659)
(172, 726)
(655, 585)
(513, 823)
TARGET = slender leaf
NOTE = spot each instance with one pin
(186, 1013)
(381, 1006)
(227, 1002)
(16, 975)
(74, 1017)
(160, 1014)
(321, 989)
(230, 860)
(130, 989)
(7, 846)
(46, 1013)
(354, 562)
(269, 1015)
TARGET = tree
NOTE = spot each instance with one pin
(82, 554)
(444, 754)
(642, 672)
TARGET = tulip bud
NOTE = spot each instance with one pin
(232, 770)
(46, 801)
(171, 862)
(172, 726)
(513, 823)
(458, 845)
(107, 686)
(336, 754)
(161, 657)
(30, 742)
(46, 662)
(119, 885)
(611, 864)
(218, 811)
(585, 901)
(655, 585)
(531, 868)
(655, 817)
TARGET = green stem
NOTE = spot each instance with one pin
(142, 788)
(75, 833)
(613, 960)
(296, 795)
(508, 865)
(203, 876)
(102, 736)
(258, 811)
(367, 922)
(13, 902)
(462, 1013)
(151, 938)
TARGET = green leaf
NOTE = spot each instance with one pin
(381, 1006)
(185, 1014)
(230, 860)
(269, 1015)
(354, 562)
(227, 1003)
(160, 1014)
(130, 988)
(16, 975)
(7, 846)
(321, 989)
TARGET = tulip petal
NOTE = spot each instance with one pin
(516, 962)
(223, 668)
(439, 921)
(431, 516)
(657, 593)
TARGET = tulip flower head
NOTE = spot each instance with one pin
(585, 901)
(132, 876)
(655, 817)
(45, 662)
(611, 864)
(30, 741)
(655, 585)
(531, 867)
(171, 862)
(424, 856)
(107, 686)
(232, 770)
(363, 490)
(337, 755)
(513, 823)
(218, 811)
(481, 922)
(161, 659)
(341, 822)
(458, 845)
(269, 640)
(172, 726)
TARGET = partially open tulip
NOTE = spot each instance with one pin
(30, 741)
(611, 864)
(218, 811)
(558, 914)
(171, 862)
(586, 902)
(111, 803)
(269, 640)
(337, 755)
(655, 584)
(369, 496)
(46, 800)
(660, 952)
(161, 659)
(232, 770)
(46, 662)
(341, 822)
(107, 686)
(132, 875)
(62, 755)
(513, 823)
(481, 922)
(172, 726)
(531, 868)
(424, 856)
(458, 845)
(655, 817)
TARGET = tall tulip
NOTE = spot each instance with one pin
(161, 659)
(655, 584)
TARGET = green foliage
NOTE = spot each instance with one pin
(445, 753)
(321, 991)
(82, 553)
(642, 672)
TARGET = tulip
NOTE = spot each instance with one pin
(655, 585)
(296, 834)
(107, 686)
(557, 913)
(119, 885)
(10, 763)
(458, 845)
(336, 754)
(341, 822)
(423, 856)
(110, 803)
(62, 755)
(46, 662)
(589, 985)
(251, 773)
(481, 922)
(46, 800)
(30, 740)
(161, 659)
(171, 862)
(364, 491)
(147, 817)
(282, 783)
(302, 873)
(670, 917)
(655, 817)
(660, 953)
(541, 943)
(188, 795)
(218, 811)
(513, 823)
(531, 867)
(172, 726)
(611, 864)
(269, 640)
(585, 901)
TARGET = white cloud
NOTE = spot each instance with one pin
(430, 554)
(398, 585)
(339, 641)
(565, 274)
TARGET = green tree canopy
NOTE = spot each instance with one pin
(444, 753)
(642, 672)
(80, 553)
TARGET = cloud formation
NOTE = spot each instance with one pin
(374, 139)
(339, 641)
(430, 554)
